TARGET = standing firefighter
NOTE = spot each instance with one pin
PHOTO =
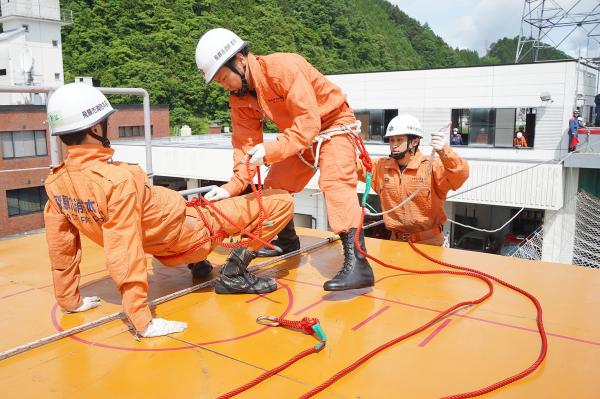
(306, 107)
(407, 171)
(112, 204)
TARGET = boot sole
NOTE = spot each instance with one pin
(225, 290)
(348, 288)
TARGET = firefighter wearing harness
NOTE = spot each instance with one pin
(111, 203)
(406, 171)
(287, 90)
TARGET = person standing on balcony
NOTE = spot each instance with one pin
(574, 124)
(302, 103)
(407, 171)
(111, 204)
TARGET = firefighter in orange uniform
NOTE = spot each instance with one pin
(407, 171)
(305, 107)
(112, 204)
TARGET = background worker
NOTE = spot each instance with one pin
(456, 138)
(407, 170)
(287, 90)
(519, 140)
(112, 204)
(573, 136)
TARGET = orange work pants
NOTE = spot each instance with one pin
(243, 210)
(338, 179)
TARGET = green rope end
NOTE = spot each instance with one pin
(368, 181)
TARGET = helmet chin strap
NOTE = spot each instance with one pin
(400, 155)
(242, 91)
(103, 139)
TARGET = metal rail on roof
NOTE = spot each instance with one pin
(54, 159)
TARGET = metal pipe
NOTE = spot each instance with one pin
(120, 315)
(191, 191)
(147, 127)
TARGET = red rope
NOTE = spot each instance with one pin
(468, 272)
(304, 325)
(254, 235)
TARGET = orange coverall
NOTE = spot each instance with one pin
(519, 142)
(112, 204)
(301, 102)
(423, 216)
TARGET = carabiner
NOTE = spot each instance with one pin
(267, 320)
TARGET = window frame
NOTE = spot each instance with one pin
(35, 143)
(42, 198)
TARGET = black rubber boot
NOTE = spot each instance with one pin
(356, 272)
(236, 279)
(287, 241)
(200, 269)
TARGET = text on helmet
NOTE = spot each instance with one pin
(225, 49)
(95, 109)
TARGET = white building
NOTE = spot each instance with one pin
(497, 99)
(31, 47)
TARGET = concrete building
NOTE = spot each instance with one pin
(31, 47)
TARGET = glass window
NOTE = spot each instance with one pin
(133, 131)
(28, 143)
(487, 127)
(26, 200)
(40, 143)
(374, 122)
(24, 144)
(8, 150)
(505, 127)
(482, 127)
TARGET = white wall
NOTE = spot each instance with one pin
(431, 95)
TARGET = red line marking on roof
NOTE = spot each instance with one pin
(368, 319)
(45, 286)
(585, 341)
(258, 296)
(435, 332)
(312, 305)
(56, 324)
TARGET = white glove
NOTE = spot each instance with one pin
(216, 194)
(258, 154)
(438, 139)
(159, 327)
(89, 302)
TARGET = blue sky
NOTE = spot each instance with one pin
(475, 24)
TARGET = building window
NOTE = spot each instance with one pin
(26, 200)
(495, 127)
(57, 76)
(27, 143)
(54, 43)
(133, 131)
(374, 122)
(3, 72)
(26, 27)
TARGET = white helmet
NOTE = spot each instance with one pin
(214, 49)
(75, 107)
(403, 125)
(519, 135)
